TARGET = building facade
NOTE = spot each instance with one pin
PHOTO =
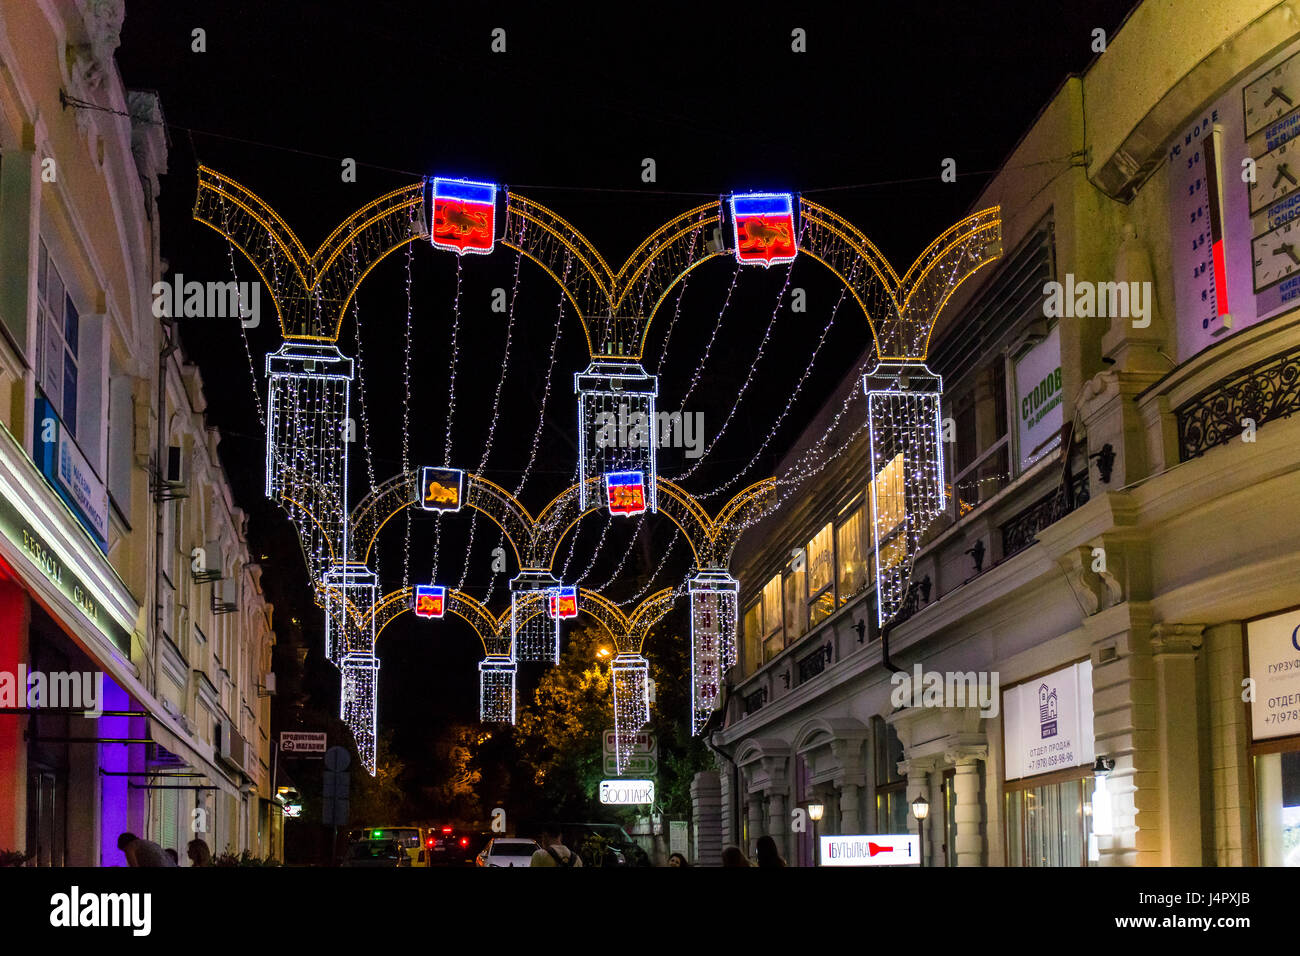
(135, 642)
(1104, 623)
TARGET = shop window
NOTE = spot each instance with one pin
(753, 636)
(796, 618)
(1277, 789)
(892, 807)
(890, 511)
(821, 576)
(853, 554)
(772, 619)
(1049, 824)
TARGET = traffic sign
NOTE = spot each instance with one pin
(880, 849)
(642, 764)
(300, 743)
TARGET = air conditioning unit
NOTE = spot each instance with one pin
(267, 687)
(167, 477)
(224, 594)
(229, 745)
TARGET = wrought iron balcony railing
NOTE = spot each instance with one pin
(1020, 532)
(1264, 392)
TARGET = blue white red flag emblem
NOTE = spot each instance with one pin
(626, 492)
(464, 215)
(763, 227)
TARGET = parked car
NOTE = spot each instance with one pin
(384, 854)
(410, 839)
(447, 845)
(507, 851)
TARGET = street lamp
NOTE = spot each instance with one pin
(815, 811)
(920, 810)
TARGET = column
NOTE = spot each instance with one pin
(1174, 650)
(706, 816)
(756, 829)
(969, 843)
(850, 801)
(918, 785)
(777, 822)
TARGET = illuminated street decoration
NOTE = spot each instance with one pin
(359, 702)
(534, 634)
(625, 492)
(430, 600)
(348, 592)
(762, 228)
(496, 690)
(307, 446)
(441, 489)
(907, 490)
(713, 597)
(631, 703)
(464, 216)
(563, 603)
(617, 427)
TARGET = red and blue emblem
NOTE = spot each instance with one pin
(464, 215)
(763, 227)
(563, 603)
(626, 492)
(430, 600)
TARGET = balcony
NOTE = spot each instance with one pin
(1263, 392)
(1021, 531)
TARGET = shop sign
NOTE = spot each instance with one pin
(1273, 651)
(1038, 398)
(627, 792)
(1048, 722)
(880, 849)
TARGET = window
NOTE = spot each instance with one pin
(892, 807)
(1048, 824)
(890, 511)
(59, 332)
(853, 552)
(821, 576)
(772, 619)
(796, 618)
(980, 465)
(754, 637)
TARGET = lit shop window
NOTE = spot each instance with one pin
(796, 619)
(772, 619)
(890, 512)
(753, 637)
(1049, 824)
(821, 576)
(1277, 789)
(854, 554)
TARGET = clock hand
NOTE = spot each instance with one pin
(1277, 94)
(1288, 250)
(1283, 171)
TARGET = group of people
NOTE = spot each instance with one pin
(146, 853)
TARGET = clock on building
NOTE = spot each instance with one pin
(1272, 96)
(1275, 255)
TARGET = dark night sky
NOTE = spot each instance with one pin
(715, 96)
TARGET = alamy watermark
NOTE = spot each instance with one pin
(626, 429)
(64, 690)
(948, 689)
(1104, 300)
(208, 300)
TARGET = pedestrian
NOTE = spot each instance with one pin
(676, 859)
(552, 852)
(171, 855)
(199, 853)
(142, 853)
(766, 852)
(732, 856)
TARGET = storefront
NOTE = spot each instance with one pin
(1048, 765)
(1273, 664)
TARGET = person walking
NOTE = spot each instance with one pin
(767, 853)
(677, 859)
(553, 853)
(143, 853)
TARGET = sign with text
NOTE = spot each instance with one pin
(302, 743)
(64, 464)
(880, 849)
(645, 743)
(623, 793)
(1048, 722)
(643, 764)
(1038, 399)
(1273, 652)
(678, 837)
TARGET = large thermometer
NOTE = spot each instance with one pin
(1214, 187)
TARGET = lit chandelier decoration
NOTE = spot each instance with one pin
(308, 424)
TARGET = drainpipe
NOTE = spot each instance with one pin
(884, 649)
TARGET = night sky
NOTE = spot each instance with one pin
(860, 122)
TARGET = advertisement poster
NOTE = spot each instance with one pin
(1048, 722)
(1273, 646)
(1039, 413)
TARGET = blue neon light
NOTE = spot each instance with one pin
(465, 190)
(762, 204)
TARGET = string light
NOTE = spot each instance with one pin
(631, 703)
(406, 423)
(713, 639)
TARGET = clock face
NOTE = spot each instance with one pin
(1272, 95)
(1276, 174)
(1276, 255)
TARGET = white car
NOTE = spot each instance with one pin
(507, 851)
